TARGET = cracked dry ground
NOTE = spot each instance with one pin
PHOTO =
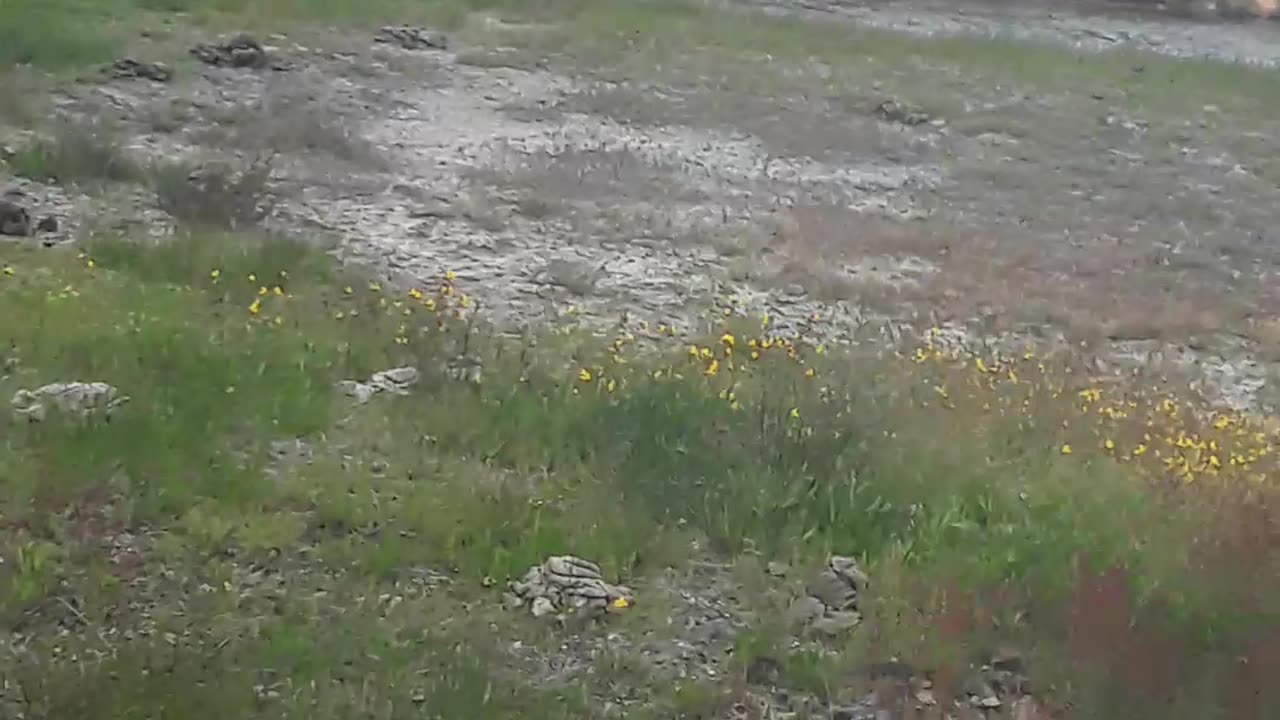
(915, 182)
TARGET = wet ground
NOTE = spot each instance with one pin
(876, 183)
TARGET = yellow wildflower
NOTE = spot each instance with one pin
(215, 274)
(729, 340)
(415, 293)
(8, 270)
(584, 375)
(795, 413)
(256, 307)
(1066, 449)
(611, 386)
(347, 290)
(713, 368)
(450, 275)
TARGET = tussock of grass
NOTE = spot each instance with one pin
(76, 153)
(216, 196)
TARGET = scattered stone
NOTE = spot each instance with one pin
(14, 219)
(837, 586)
(396, 381)
(831, 606)
(777, 569)
(412, 38)
(837, 623)
(241, 51)
(130, 69)
(990, 702)
(567, 583)
(47, 224)
(805, 610)
(899, 112)
(1008, 660)
(764, 670)
(73, 398)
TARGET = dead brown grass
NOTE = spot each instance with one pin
(1097, 290)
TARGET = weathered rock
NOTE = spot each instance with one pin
(837, 586)
(241, 51)
(129, 68)
(837, 623)
(898, 112)
(14, 219)
(396, 381)
(412, 38)
(47, 224)
(77, 399)
(804, 610)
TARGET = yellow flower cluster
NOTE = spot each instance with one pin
(1150, 429)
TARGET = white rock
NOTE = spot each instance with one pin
(541, 607)
(74, 398)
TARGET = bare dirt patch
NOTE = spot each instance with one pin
(914, 189)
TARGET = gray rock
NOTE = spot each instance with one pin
(805, 610)
(837, 623)
(396, 381)
(837, 586)
(570, 566)
(898, 112)
(47, 224)
(241, 51)
(128, 68)
(73, 398)
(412, 38)
(566, 582)
(541, 607)
(14, 219)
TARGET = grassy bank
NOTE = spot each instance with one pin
(1006, 486)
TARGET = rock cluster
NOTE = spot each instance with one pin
(565, 583)
(411, 38)
(128, 68)
(241, 51)
(396, 381)
(831, 605)
(77, 399)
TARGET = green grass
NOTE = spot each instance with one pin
(482, 481)
(75, 154)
